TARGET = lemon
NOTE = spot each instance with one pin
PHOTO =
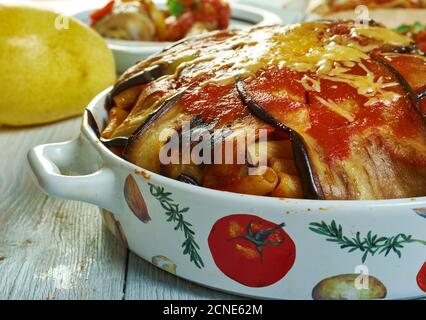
(50, 66)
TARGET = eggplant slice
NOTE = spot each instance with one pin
(144, 144)
(187, 179)
(410, 70)
(310, 185)
(119, 142)
(142, 77)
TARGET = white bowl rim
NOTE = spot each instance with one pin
(98, 102)
(141, 46)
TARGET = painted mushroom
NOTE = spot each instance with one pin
(164, 263)
(349, 287)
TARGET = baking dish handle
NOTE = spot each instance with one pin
(72, 170)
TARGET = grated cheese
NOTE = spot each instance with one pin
(310, 84)
(382, 34)
(342, 109)
(302, 48)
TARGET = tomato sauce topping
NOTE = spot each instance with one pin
(332, 131)
(338, 112)
(214, 102)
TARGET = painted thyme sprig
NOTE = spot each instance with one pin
(370, 244)
(175, 215)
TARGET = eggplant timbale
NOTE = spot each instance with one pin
(350, 98)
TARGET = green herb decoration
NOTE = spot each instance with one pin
(368, 245)
(175, 215)
(175, 7)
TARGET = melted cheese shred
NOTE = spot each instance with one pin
(382, 34)
(309, 48)
(345, 110)
(367, 86)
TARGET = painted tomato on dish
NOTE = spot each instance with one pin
(421, 278)
(250, 250)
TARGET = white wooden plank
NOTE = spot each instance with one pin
(145, 281)
(51, 249)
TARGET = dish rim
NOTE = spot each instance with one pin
(98, 102)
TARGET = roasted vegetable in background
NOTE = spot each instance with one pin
(342, 105)
(142, 20)
(344, 287)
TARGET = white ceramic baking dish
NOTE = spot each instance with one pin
(175, 226)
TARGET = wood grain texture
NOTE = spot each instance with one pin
(150, 282)
(51, 249)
